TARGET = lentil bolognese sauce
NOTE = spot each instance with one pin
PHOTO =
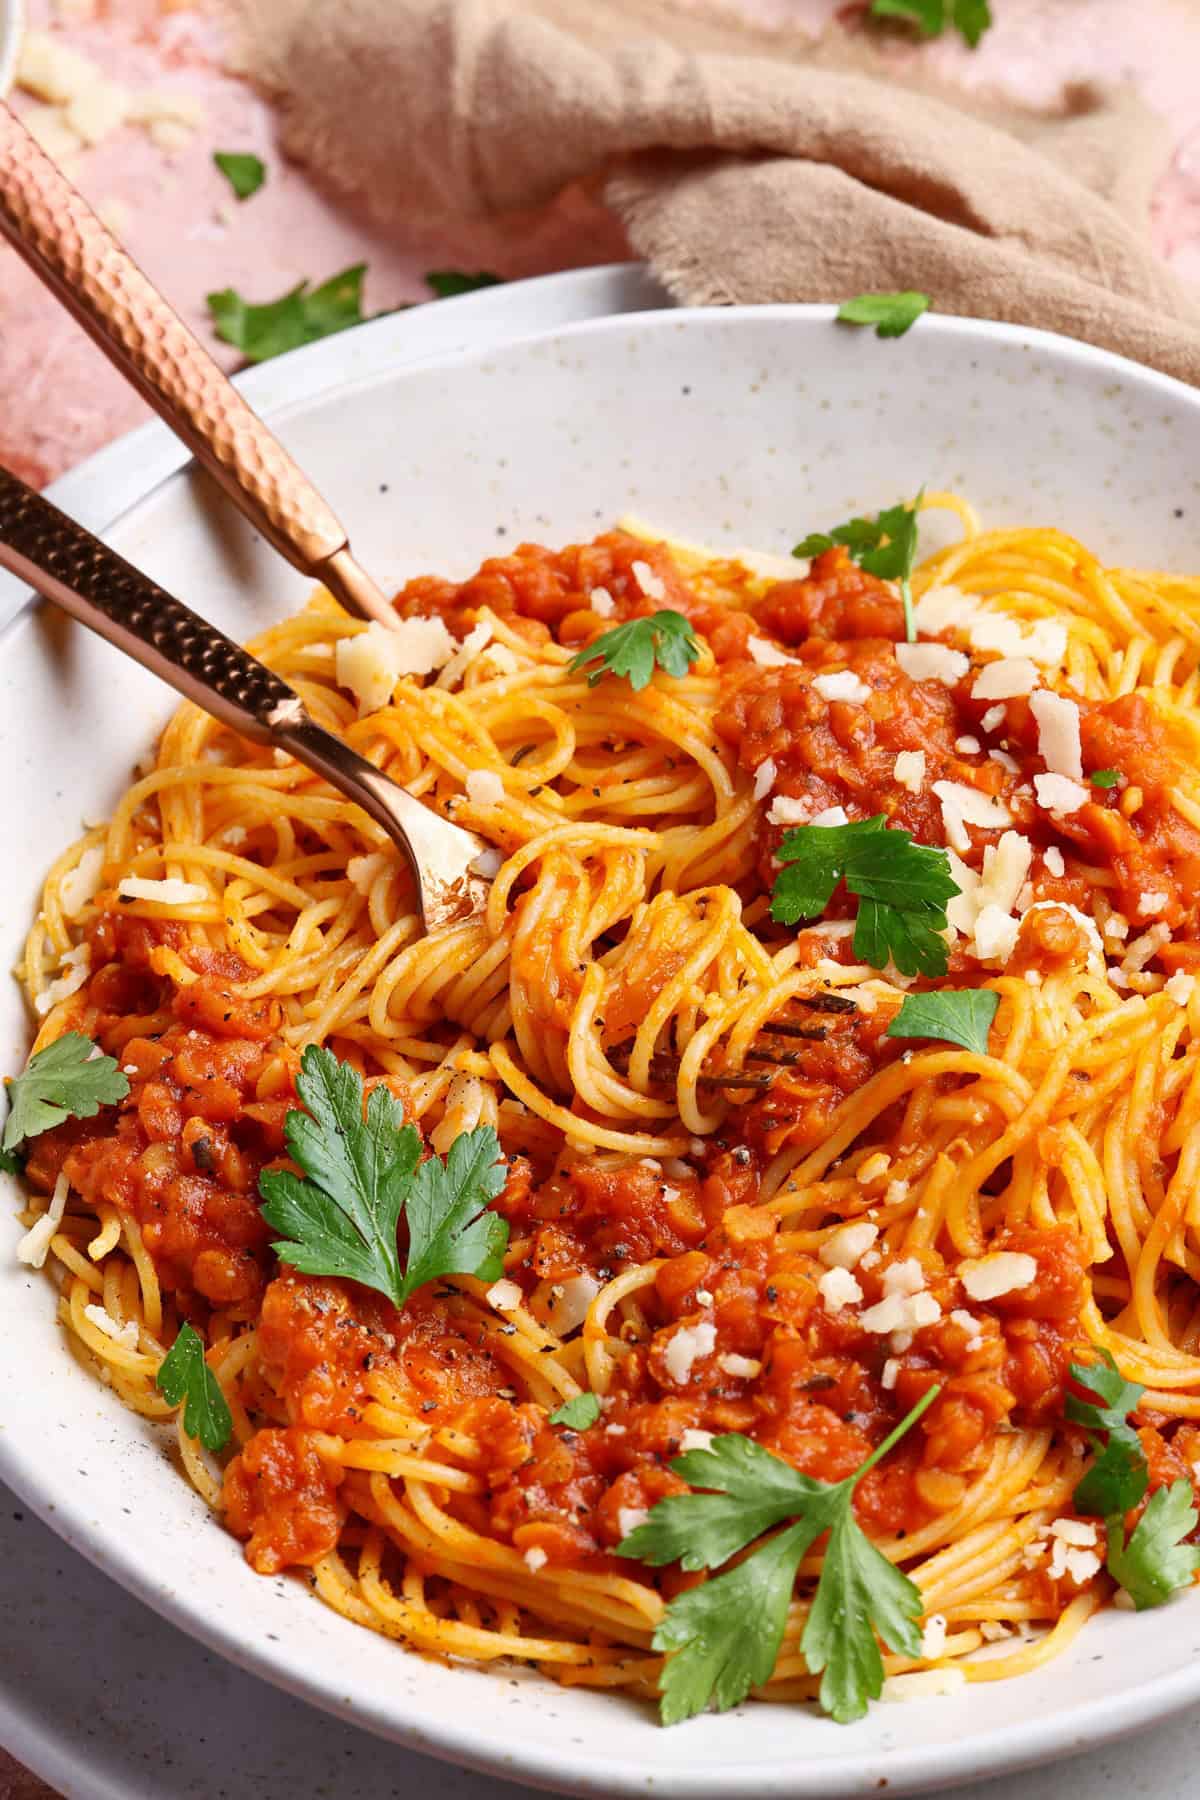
(826, 1063)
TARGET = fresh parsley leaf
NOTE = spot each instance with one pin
(1105, 778)
(184, 1375)
(447, 283)
(884, 546)
(1156, 1563)
(363, 1174)
(298, 317)
(903, 889)
(931, 17)
(724, 1635)
(955, 1015)
(577, 1413)
(244, 173)
(632, 649)
(890, 314)
(1119, 1477)
(10, 1164)
(66, 1080)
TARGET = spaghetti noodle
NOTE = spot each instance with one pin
(679, 1245)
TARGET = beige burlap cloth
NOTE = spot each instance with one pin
(744, 167)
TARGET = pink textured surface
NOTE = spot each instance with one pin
(181, 224)
(61, 401)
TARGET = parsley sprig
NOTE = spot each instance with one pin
(1119, 1477)
(891, 314)
(363, 1173)
(902, 887)
(183, 1375)
(69, 1079)
(724, 1636)
(577, 1413)
(884, 546)
(632, 650)
(953, 1015)
(244, 172)
(1154, 1562)
(971, 18)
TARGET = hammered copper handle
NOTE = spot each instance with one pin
(48, 222)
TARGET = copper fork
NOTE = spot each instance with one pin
(50, 224)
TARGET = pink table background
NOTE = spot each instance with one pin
(59, 401)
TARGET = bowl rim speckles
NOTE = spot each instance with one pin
(732, 425)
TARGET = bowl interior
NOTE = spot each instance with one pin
(733, 427)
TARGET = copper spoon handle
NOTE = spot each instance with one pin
(48, 222)
(57, 556)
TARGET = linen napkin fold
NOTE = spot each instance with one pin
(744, 166)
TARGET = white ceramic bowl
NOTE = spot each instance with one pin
(736, 426)
(11, 25)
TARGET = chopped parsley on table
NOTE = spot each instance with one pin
(362, 1174)
(301, 316)
(970, 18)
(723, 1637)
(244, 172)
(903, 889)
(884, 546)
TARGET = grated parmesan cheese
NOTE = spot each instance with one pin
(686, 1345)
(488, 863)
(32, 1249)
(932, 662)
(786, 809)
(694, 1439)
(967, 745)
(1006, 679)
(890, 1374)
(933, 1637)
(630, 1517)
(372, 661)
(949, 609)
(907, 1277)
(82, 883)
(838, 1288)
(1003, 1272)
(993, 718)
(846, 1247)
(504, 1296)
(909, 770)
(602, 603)
(830, 815)
(742, 1368)
(1059, 793)
(1151, 904)
(126, 1335)
(764, 778)
(51, 70)
(1059, 742)
(171, 892)
(767, 655)
(77, 966)
(1180, 988)
(1055, 864)
(570, 1302)
(842, 684)
(652, 585)
(898, 1312)
(484, 788)
(963, 806)
(535, 1558)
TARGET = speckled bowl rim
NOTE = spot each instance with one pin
(1085, 1725)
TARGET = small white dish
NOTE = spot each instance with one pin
(12, 23)
(736, 426)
